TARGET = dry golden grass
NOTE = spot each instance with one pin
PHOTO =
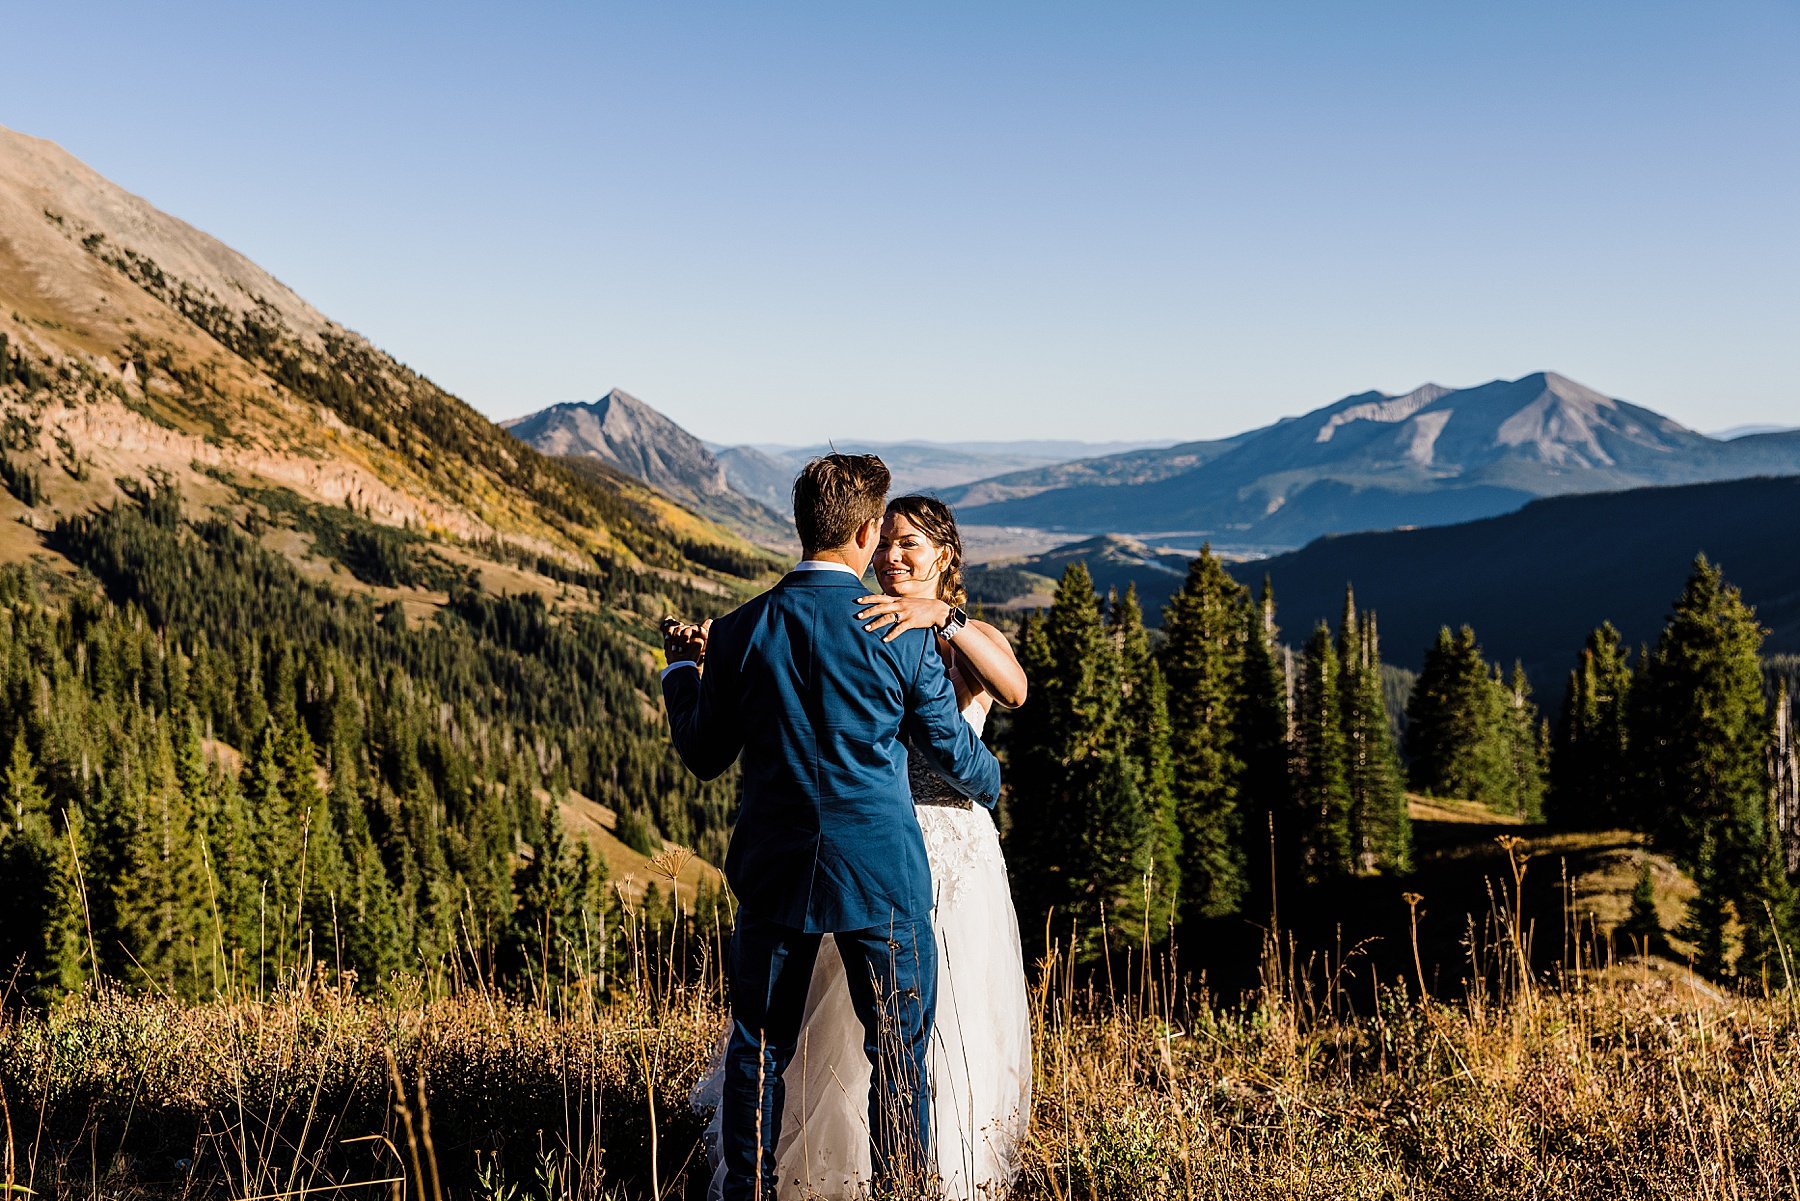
(1639, 1081)
(1624, 1088)
(1595, 1077)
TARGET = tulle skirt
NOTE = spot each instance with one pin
(980, 1057)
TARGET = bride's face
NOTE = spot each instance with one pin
(907, 562)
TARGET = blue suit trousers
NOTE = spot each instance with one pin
(891, 972)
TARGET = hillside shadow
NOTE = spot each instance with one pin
(1361, 931)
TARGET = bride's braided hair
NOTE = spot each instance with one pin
(936, 522)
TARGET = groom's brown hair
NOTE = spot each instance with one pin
(834, 495)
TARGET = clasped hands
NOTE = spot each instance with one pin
(683, 641)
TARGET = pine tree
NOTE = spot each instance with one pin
(1709, 912)
(43, 931)
(550, 938)
(1144, 714)
(1459, 731)
(1033, 831)
(1321, 792)
(1699, 725)
(1086, 846)
(237, 894)
(537, 948)
(1380, 828)
(1527, 749)
(1203, 662)
(157, 897)
(1765, 908)
(1262, 738)
(1590, 773)
(1430, 715)
(370, 927)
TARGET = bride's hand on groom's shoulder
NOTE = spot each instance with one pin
(894, 615)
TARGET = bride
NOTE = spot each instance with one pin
(980, 1056)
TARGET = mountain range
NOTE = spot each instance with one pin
(1432, 456)
(749, 487)
(766, 471)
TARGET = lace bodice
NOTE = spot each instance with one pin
(929, 788)
(961, 841)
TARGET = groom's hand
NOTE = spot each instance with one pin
(684, 640)
(894, 615)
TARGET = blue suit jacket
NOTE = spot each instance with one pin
(821, 712)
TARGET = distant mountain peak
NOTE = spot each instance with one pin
(623, 432)
(626, 434)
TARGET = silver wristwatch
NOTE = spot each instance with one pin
(953, 624)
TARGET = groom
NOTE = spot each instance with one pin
(825, 842)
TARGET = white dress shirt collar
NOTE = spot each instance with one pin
(826, 565)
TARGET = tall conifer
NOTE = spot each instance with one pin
(1144, 713)
(1590, 776)
(1084, 834)
(1526, 745)
(1262, 738)
(1321, 791)
(1380, 828)
(157, 898)
(42, 929)
(1203, 662)
(1700, 726)
(1459, 729)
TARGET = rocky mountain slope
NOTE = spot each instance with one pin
(625, 433)
(1370, 461)
(132, 343)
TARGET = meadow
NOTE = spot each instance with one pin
(1588, 1071)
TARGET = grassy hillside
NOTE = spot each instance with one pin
(303, 660)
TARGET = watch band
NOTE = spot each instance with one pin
(954, 624)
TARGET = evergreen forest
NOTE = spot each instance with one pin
(218, 772)
(1157, 789)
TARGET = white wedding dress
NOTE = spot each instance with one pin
(980, 1057)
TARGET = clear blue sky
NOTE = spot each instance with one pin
(979, 220)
